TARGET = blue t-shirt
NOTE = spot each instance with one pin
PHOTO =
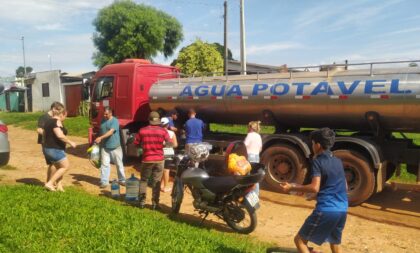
(112, 141)
(171, 122)
(194, 130)
(332, 195)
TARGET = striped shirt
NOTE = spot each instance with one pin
(151, 139)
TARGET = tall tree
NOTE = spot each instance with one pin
(129, 30)
(199, 57)
(221, 50)
(20, 72)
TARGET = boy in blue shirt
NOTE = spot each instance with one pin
(327, 221)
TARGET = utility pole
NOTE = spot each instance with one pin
(24, 62)
(49, 58)
(243, 51)
(226, 40)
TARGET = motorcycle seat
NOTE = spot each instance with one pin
(227, 183)
(250, 179)
(220, 184)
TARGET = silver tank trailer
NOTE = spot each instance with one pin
(337, 99)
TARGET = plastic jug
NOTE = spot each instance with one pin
(132, 188)
(95, 155)
(115, 189)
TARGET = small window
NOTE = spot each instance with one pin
(45, 90)
(103, 88)
(106, 90)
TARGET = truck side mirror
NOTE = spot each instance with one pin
(1, 88)
(85, 89)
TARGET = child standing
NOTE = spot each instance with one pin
(253, 143)
(164, 185)
(327, 221)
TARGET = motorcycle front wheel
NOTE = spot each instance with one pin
(177, 195)
(240, 217)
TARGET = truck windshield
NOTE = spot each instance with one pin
(103, 88)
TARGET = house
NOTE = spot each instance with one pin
(13, 99)
(45, 87)
(234, 68)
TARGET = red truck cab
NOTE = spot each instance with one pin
(125, 88)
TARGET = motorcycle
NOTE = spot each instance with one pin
(232, 198)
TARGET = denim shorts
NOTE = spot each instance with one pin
(322, 227)
(54, 155)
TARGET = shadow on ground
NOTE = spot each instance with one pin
(30, 181)
(84, 178)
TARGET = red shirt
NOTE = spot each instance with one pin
(151, 139)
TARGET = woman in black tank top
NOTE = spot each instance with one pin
(55, 140)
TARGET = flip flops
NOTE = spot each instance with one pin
(167, 189)
(49, 188)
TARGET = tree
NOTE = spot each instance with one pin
(20, 72)
(129, 30)
(221, 50)
(199, 57)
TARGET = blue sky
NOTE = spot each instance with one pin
(291, 32)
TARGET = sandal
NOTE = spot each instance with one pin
(167, 189)
(49, 188)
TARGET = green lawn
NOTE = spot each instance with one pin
(77, 126)
(34, 220)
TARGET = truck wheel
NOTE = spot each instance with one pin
(359, 175)
(284, 163)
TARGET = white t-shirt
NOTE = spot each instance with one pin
(253, 143)
(171, 133)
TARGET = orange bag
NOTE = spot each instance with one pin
(238, 165)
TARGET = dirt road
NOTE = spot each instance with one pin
(389, 222)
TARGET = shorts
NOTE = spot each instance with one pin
(169, 164)
(48, 162)
(322, 227)
(54, 155)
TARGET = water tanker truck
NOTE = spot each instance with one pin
(367, 104)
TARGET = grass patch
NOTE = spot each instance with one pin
(34, 220)
(7, 167)
(237, 129)
(405, 176)
(77, 126)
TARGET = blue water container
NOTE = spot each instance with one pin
(115, 189)
(132, 188)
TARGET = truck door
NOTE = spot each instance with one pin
(122, 109)
(102, 96)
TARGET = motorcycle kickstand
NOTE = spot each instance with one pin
(205, 216)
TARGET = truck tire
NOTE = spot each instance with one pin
(284, 163)
(359, 175)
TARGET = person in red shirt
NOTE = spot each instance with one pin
(151, 139)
